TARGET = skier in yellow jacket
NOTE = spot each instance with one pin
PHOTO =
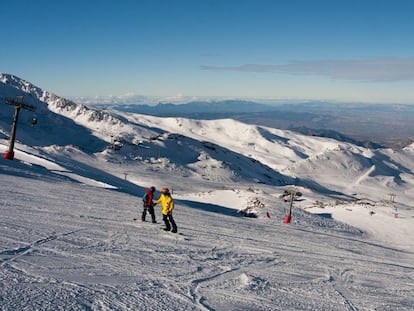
(167, 203)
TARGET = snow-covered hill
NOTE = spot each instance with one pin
(215, 149)
(69, 197)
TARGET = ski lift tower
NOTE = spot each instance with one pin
(293, 193)
(18, 104)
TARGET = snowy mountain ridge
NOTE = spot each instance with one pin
(214, 148)
(13, 86)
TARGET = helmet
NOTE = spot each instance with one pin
(165, 190)
(152, 189)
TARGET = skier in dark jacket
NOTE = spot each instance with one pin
(148, 204)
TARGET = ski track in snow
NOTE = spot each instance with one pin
(21, 251)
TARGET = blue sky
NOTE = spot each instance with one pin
(350, 50)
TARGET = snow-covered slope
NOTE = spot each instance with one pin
(75, 246)
(68, 241)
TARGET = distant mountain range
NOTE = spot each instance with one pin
(373, 126)
(369, 125)
(194, 108)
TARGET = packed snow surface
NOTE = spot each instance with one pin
(71, 243)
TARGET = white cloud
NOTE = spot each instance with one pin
(372, 70)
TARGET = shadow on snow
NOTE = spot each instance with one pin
(208, 207)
